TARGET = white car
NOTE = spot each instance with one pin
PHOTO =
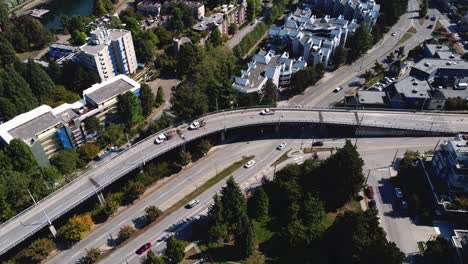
(192, 203)
(281, 146)
(267, 111)
(160, 139)
(249, 164)
(398, 193)
(337, 89)
(394, 33)
(194, 125)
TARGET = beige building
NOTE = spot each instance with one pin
(110, 52)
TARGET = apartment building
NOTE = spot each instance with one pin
(267, 66)
(110, 52)
(314, 39)
(450, 163)
(149, 7)
(223, 17)
(48, 130)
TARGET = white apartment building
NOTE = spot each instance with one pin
(110, 52)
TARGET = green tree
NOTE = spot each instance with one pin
(147, 99)
(125, 233)
(233, 201)
(216, 39)
(204, 146)
(423, 8)
(66, 161)
(111, 206)
(78, 37)
(133, 190)
(38, 250)
(4, 16)
(456, 104)
(20, 156)
(400, 51)
(129, 109)
(270, 93)
(177, 22)
(92, 256)
(189, 102)
(7, 52)
(54, 71)
(245, 237)
(184, 158)
(341, 172)
(175, 250)
(251, 10)
(92, 125)
(232, 28)
(390, 57)
(76, 228)
(88, 151)
(32, 29)
(7, 109)
(216, 225)
(359, 43)
(159, 97)
(188, 58)
(113, 135)
(14, 88)
(258, 205)
(368, 75)
(378, 68)
(438, 251)
(99, 8)
(152, 213)
(152, 258)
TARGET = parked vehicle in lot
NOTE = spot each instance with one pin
(433, 18)
(398, 193)
(160, 139)
(372, 204)
(281, 146)
(192, 203)
(143, 248)
(337, 89)
(370, 192)
(267, 111)
(317, 144)
(249, 164)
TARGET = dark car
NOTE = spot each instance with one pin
(433, 18)
(430, 26)
(372, 204)
(317, 144)
(370, 192)
(143, 248)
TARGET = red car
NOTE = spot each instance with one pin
(370, 192)
(143, 248)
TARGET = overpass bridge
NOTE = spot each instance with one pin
(91, 183)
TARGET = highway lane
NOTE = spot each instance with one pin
(376, 152)
(88, 184)
(167, 195)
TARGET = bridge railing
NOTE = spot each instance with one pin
(220, 112)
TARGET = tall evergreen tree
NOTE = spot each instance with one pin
(129, 109)
(7, 52)
(216, 38)
(40, 83)
(359, 42)
(245, 237)
(258, 204)
(175, 250)
(216, 226)
(147, 99)
(233, 201)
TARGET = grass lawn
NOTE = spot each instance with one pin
(352, 205)
(317, 149)
(374, 80)
(405, 37)
(412, 30)
(262, 233)
(27, 55)
(421, 21)
(281, 159)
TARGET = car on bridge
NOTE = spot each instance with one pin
(267, 111)
(160, 139)
(337, 89)
(317, 144)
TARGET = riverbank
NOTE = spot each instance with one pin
(21, 9)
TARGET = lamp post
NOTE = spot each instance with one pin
(51, 227)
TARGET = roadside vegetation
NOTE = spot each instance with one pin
(307, 212)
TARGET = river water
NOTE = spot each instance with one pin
(59, 8)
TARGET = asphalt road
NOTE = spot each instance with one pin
(322, 94)
(377, 154)
(86, 185)
(242, 32)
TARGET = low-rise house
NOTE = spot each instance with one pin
(368, 99)
(267, 66)
(450, 163)
(223, 17)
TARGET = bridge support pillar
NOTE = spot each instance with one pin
(101, 198)
(223, 136)
(322, 129)
(183, 147)
(277, 129)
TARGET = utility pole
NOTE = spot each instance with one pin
(359, 126)
(368, 174)
(128, 141)
(51, 226)
(394, 158)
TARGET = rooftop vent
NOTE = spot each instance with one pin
(427, 64)
(414, 91)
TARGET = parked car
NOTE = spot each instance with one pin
(433, 18)
(337, 89)
(430, 26)
(372, 204)
(398, 193)
(249, 164)
(317, 144)
(370, 192)
(143, 248)
(403, 204)
(267, 111)
(281, 146)
(192, 203)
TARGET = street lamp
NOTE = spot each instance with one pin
(51, 227)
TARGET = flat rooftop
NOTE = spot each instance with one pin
(109, 89)
(371, 97)
(114, 34)
(30, 129)
(412, 87)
